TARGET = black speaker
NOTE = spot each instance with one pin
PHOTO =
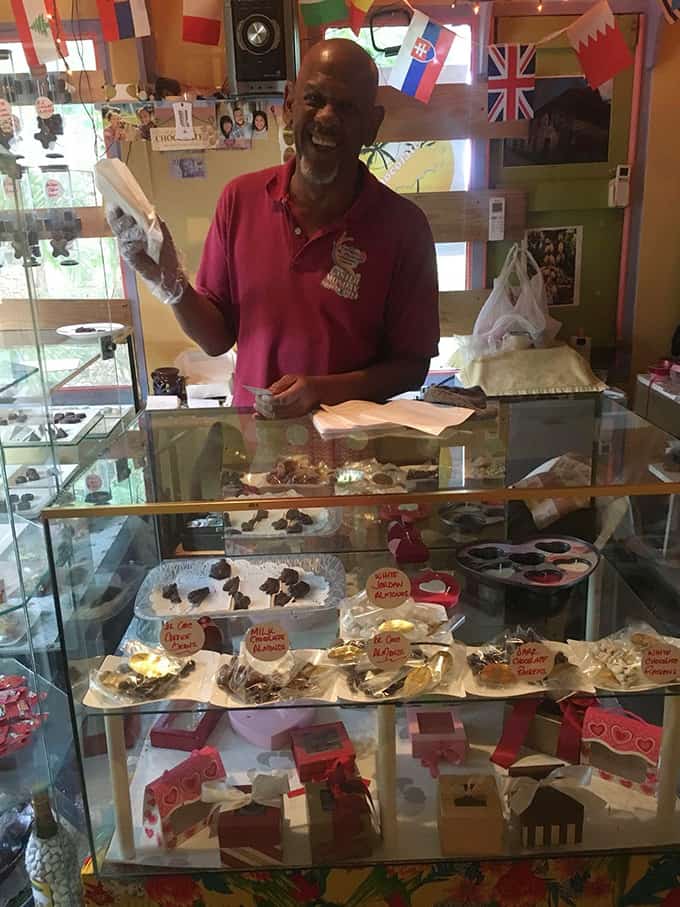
(262, 45)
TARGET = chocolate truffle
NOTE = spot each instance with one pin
(220, 569)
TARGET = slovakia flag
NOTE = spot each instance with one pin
(422, 55)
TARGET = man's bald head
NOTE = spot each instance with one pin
(345, 58)
(332, 109)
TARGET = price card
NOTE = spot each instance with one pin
(182, 636)
(389, 650)
(184, 121)
(93, 482)
(661, 663)
(388, 587)
(532, 661)
(5, 108)
(268, 642)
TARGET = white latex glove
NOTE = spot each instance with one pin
(166, 280)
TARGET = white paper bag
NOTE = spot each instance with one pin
(120, 189)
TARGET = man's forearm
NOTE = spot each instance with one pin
(377, 382)
(204, 323)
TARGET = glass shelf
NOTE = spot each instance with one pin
(615, 449)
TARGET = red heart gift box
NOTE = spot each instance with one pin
(251, 835)
(317, 749)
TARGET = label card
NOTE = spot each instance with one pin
(268, 642)
(182, 636)
(389, 650)
(661, 663)
(184, 121)
(388, 587)
(44, 107)
(532, 661)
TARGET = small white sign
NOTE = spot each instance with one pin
(182, 636)
(532, 661)
(184, 121)
(267, 642)
(496, 218)
(389, 650)
(661, 663)
(388, 587)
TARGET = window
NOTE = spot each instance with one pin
(66, 181)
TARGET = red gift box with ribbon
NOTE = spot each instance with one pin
(550, 727)
(341, 816)
(251, 835)
(316, 749)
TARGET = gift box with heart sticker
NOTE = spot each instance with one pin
(173, 810)
(623, 747)
(435, 588)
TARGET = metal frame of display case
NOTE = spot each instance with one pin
(620, 443)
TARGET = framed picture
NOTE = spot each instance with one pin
(557, 251)
(570, 126)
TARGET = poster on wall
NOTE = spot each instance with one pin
(202, 125)
(440, 166)
(557, 251)
(570, 126)
(127, 123)
(241, 122)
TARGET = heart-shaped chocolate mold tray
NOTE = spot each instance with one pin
(527, 558)
(555, 547)
(502, 568)
(486, 553)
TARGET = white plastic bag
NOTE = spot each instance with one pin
(120, 189)
(501, 315)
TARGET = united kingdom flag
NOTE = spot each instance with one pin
(512, 70)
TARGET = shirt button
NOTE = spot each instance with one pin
(297, 231)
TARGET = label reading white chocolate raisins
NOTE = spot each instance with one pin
(661, 663)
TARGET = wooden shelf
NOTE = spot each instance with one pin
(464, 216)
(93, 221)
(456, 111)
(16, 315)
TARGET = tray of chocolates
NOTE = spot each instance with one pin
(546, 563)
(224, 586)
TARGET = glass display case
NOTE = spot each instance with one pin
(285, 651)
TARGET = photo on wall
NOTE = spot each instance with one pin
(570, 126)
(557, 251)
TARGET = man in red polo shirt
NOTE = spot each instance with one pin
(324, 277)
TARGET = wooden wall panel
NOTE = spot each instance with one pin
(458, 310)
(464, 216)
(454, 112)
(15, 314)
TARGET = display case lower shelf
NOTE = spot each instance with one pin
(627, 818)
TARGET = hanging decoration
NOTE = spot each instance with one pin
(599, 44)
(123, 19)
(38, 26)
(201, 21)
(322, 12)
(357, 13)
(671, 10)
(421, 57)
(512, 69)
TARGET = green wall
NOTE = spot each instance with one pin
(573, 194)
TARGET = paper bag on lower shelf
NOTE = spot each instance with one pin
(341, 816)
(173, 810)
(470, 816)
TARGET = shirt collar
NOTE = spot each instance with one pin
(278, 188)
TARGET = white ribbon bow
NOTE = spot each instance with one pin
(572, 779)
(267, 790)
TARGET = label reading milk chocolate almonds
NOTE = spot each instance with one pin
(388, 587)
(268, 642)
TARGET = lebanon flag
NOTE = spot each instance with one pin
(357, 13)
(201, 21)
(38, 25)
(599, 44)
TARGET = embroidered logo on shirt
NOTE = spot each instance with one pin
(342, 277)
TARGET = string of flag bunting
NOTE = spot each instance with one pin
(597, 40)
